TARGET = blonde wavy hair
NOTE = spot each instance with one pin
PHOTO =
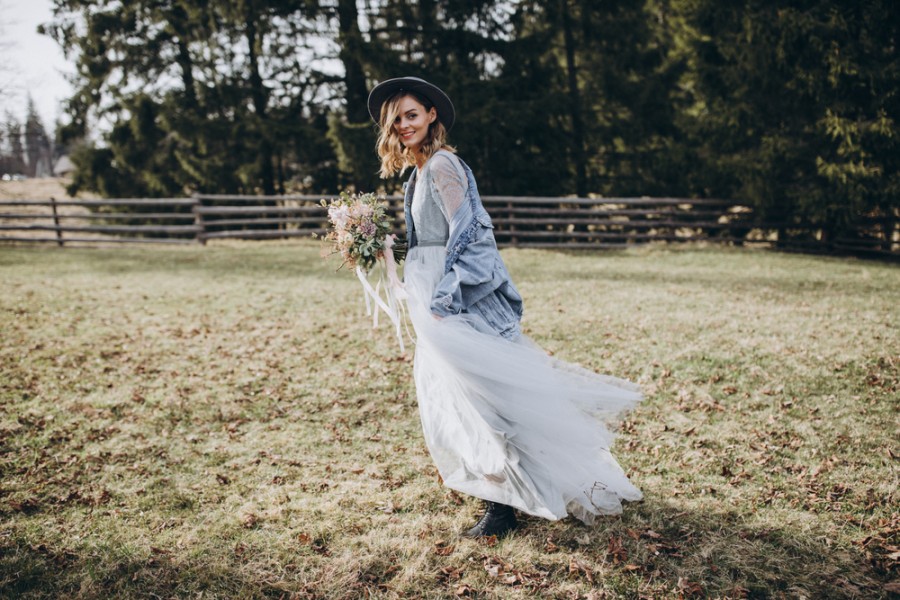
(393, 154)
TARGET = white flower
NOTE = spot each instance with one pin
(339, 216)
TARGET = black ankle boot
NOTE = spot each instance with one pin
(498, 520)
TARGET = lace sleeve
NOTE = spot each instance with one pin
(449, 184)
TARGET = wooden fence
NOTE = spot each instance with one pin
(536, 222)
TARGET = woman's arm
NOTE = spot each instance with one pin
(449, 184)
(475, 265)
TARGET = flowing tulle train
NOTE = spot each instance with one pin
(504, 421)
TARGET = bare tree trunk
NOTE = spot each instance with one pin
(187, 75)
(351, 43)
(578, 153)
(185, 63)
(260, 100)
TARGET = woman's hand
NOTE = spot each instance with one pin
(389, 240)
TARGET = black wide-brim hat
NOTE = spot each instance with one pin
(389, 88)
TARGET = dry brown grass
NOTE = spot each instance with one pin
(42, 188)
(221, 421)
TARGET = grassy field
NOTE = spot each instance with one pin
(220, 422)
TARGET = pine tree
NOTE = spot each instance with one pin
(797, 109)
(37, 144)
(14, 159)
(349, 128)
(204, 102)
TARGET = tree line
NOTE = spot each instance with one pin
(25, 147)
(792, 109)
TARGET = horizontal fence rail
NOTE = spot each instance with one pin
(526, 222)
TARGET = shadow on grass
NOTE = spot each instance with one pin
(654, 548)
(28, 571)
(715, 554)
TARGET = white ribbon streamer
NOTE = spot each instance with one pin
(391, 268)
(392, 303)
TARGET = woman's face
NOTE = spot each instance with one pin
(413, 121)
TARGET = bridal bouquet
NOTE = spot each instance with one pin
(359, 228)
(360, 232)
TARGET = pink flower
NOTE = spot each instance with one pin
(367, 228)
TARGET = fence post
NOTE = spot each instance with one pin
(59, 235)
(199, 235)
(887, 244)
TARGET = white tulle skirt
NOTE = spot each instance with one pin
(504, 421)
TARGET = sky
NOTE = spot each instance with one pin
(34, 62)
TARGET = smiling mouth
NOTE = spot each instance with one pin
(406, 135)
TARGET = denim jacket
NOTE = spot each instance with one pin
(475, 279)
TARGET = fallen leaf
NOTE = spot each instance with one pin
(249, 520)
(846, 584)
(616, 550)
(577, 567)
(442, 548)
(689, 588)
(102, 498)
(388, 508)
(26, 506)
(448, 574)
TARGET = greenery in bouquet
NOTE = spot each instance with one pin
(359, 227)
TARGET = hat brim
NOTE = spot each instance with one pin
(389, 88)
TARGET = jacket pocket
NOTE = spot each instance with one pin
(497, 311)
(509, 292)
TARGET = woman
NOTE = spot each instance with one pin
(503, 421)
